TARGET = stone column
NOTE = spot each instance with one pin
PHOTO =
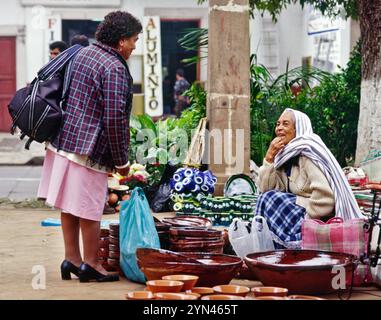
(228, 102)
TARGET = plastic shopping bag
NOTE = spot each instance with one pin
(250, 237)
(137, 230)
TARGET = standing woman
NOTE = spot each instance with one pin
(93, 140)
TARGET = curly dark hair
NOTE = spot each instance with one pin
(117, 25)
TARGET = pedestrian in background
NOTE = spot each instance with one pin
(56, 48)
(80, 39)
(93, 141)
(181, 85)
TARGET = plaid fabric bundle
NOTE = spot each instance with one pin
(284, 217)
(337, 235)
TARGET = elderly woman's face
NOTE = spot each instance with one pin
(285, 127)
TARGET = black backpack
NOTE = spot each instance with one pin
(37, 109)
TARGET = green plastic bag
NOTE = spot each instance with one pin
(136, 230)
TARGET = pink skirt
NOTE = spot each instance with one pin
(73, 188)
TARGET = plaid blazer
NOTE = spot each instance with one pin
(96, 115)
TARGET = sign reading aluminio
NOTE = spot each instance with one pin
(153, 93)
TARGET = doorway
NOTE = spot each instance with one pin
(172, 55)
(7, 79)
(70, 28)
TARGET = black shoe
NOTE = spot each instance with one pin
(67, 268)
(87, 273)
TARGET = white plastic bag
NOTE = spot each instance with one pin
(250, 237)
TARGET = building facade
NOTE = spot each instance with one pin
(27, 27)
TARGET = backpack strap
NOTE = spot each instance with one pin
(58, 63)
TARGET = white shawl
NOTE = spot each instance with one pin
(309, 144)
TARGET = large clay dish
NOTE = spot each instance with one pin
(150, 255)
(214, 269)
(195, 232)
(300, 271)
(203, 243)
(188, 221)
(187, 239)
(215, 249)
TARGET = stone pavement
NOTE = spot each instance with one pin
(12, 151)
(24, 244)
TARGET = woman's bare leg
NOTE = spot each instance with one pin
(90, 236)
(70, 230)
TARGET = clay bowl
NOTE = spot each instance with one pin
(113, 262)
(270, 298)
(202, 290)
(302, 297)
(114, 227)
(188, 221)
(113, 247)
(113, 240)
(195, 232)
(198, 244)
(222, 297)
(103, 252)
(232, 290)
(188, 280)
(164, 286)
(269, 291)
(174, 296)
(104, 233)
(114, 233)
(207, 249)
(103, 242)
(190, 239)
(140, 295)
(300, 271)
(114, 254)
(197, 295)
(212, 269)
(148, 255)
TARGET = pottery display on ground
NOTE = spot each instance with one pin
(269, 291)
(231, 290)
(164, 286)
(300, 271)
(188, 280)
(212, 269)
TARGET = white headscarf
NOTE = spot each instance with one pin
(309, 144)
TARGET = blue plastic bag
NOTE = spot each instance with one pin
(137, 230)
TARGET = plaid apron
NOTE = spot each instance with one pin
(284, 218)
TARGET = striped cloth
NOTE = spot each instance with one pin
(284, 218)
(310, 145)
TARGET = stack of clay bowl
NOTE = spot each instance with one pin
(103, 251)
(196, 240)
(114, 251)
(163, 232)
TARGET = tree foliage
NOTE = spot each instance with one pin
(332, 8)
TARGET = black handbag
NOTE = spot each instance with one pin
(37, 109)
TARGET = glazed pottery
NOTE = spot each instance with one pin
(269, 291)
(164, 286)
(149, 255)
(113, 247)
(140, 295)
(103, 242)
(212, 269)
(300, 271)
(188, 280)
(103, 252)
(113, 240)
(232, 290)
(188, 221)
(301, 297)
(202, 290)
(104, 233)
(195, 232)
(270, 298)
(114, 233)
(174, 296)
(114, 254)
(222, 297)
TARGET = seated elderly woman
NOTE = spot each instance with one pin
(300, 178)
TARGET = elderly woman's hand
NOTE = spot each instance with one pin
(275, 146)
